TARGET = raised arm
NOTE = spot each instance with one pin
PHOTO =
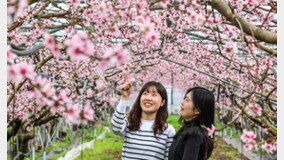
(119, 121)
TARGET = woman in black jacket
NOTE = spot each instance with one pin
(192, 141)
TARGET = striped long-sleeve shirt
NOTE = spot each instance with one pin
(141, 144)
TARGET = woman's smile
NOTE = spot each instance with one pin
(147, 104)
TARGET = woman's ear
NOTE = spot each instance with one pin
(196, 111)
(163, 102)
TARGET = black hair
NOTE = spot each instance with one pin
(135, 114)
(204, 101)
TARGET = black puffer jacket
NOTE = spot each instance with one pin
(188, 143)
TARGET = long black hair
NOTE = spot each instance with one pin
(160, 123)
(204, 101)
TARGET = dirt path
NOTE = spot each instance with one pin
(224, 151)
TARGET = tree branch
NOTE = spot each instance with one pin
(267, 49)
(224, 9)
(28, 52)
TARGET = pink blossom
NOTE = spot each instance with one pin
(193, 17)
(256, 110)
(139, 21)
(218, 19)
(265, 129)
(90, 92)
(43, 100)
(39, 81)
(55, 51)
(181, 7)
(72, 110)
(230, 47)
(10, 11)
(79, 46)
(121, 54)
(31, 94)
(20, 71)
(47, 22)
(264, 2)
(88, 113)
(267, 147)
(84, 121)
(152, 36)
(72, 114)
(200, 19)
(210, 21)
(48, 41)
(114, 55)
(248, 146)
(29, 128)
(37, 32)
(12, 74)
(114, 31)
(25, 70)
(63, 97)
(75, 3)
(76, 53)
(143, 23)
(20, 9)
(48, 90)
(256, 69)
(275, 145)
(56, 109)
(211, 130)
(103, 63)
(248, 136)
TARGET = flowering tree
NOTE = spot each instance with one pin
(63, 55)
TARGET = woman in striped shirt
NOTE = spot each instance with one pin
(146, 133)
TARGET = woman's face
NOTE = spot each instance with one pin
(151, 100)
(187, 110)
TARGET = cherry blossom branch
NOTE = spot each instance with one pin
(42, 8)
(49, 15)
(260, 34)
(85, 86)
(219, 79)
(28, 52)
(272, 129)
(267, 49)
(19, 85)
(45, 60)
(258, 44)
(44, 121)
(15, 25)
(266, 113)
(233, 120)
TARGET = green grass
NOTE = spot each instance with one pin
(108, 148)
(57, 145)
(173, 120)
(60, 155)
